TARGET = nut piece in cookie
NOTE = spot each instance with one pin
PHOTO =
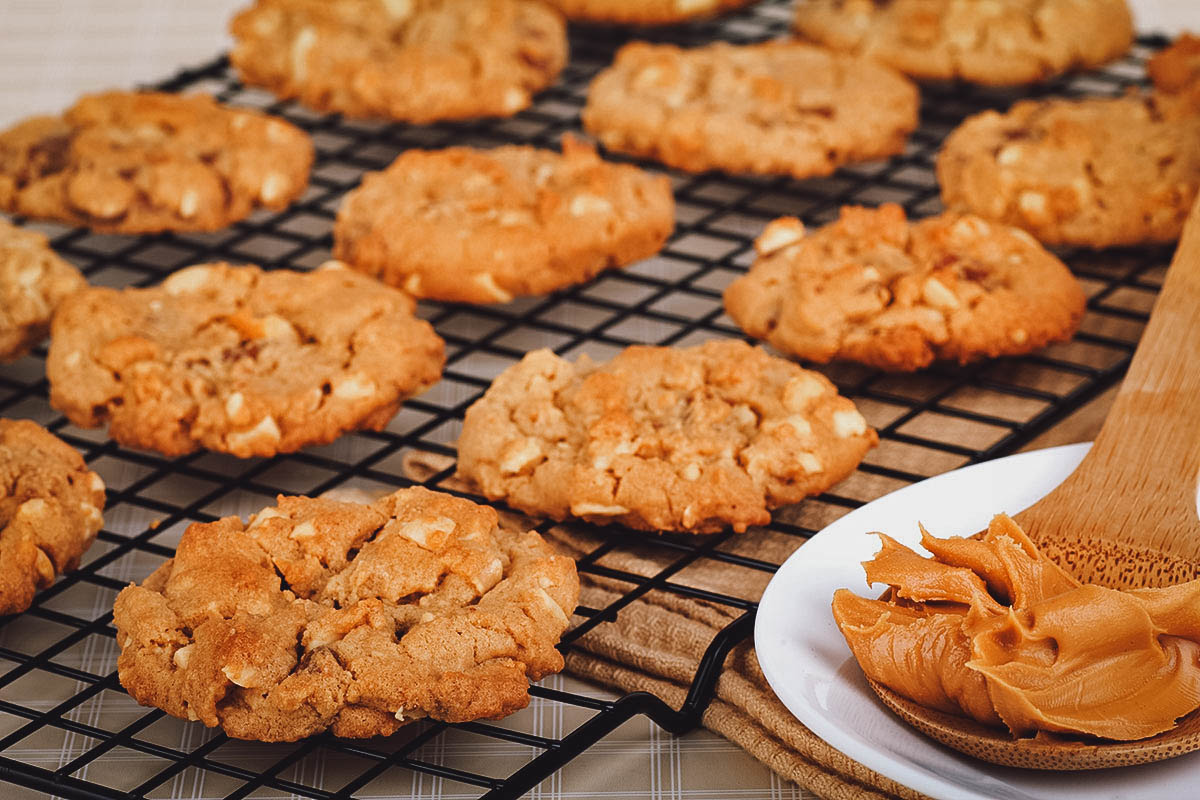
(643, 12)
(33, 281)
(50, 505)
(143, 162)
(1093, 173)
(322, 615)
(874, 288)
(412, 60)
(694, 439)
(776, 108)
(483, 226)
(238, 360)
(997, 43)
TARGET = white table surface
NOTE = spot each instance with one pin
(53, 50)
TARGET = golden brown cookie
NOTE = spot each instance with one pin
(142, 162)
(876, 289)
(1092, 173)
(692, 439)
(33, 281)
(321, 615)
(643, 12)
(413, 60)
(482, 226)
(993, 42)
(776, 108)
(50, 505)
(241, 361)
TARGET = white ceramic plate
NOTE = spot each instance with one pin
(809, 665)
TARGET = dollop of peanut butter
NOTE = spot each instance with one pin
(991, 629)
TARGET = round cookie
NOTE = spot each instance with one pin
(993, 43)
(775, 108)
(50, 505)
(1092, 173)
(482, 226)
(873, 288)
(238, 360)
(694, 439)
(321, 615)
(144, 162)
(33, 281)
(644, 12)
(412, 60)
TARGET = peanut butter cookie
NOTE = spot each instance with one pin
(876, 289)
(50, 505)
(143, 162)
(995, 43)
(643, 12)
(33, 281)
(482, 226)
(694, 439)
(237, 360)
(776, 108)
(1092, 173)
(321, 615)
(412, 60)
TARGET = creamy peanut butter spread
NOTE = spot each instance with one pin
(991, 629)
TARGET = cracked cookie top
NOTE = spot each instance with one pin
(143, 162)
(50, 505)
(238, 360)
(874, 288)
(33, 281)
(1093, 173)
(482, 226)
(643, 12)
(323, 615)
(412, 60)
(691, 439)
(775, 108)
(994, 43)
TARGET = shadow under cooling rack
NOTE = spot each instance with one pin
(68, 729)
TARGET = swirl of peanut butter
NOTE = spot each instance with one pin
(991, 629)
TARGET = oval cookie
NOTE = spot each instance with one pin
(50, 505)
(874, 288)
(240, 361)
(320, 615)
(1091, 173)
(483, 226)
(994, 43)
(413, 60)
(776, 108)
(692, 439)
(33, 281)
(143, 162)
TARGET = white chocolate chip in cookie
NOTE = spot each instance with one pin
(779, 234)
(354, 387)
(938, 296)
(848, 422)
(188, 280)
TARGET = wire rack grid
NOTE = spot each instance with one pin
(66, 727)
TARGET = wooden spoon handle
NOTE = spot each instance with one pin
(1137, 486)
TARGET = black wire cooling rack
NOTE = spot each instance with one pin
(67, 729)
